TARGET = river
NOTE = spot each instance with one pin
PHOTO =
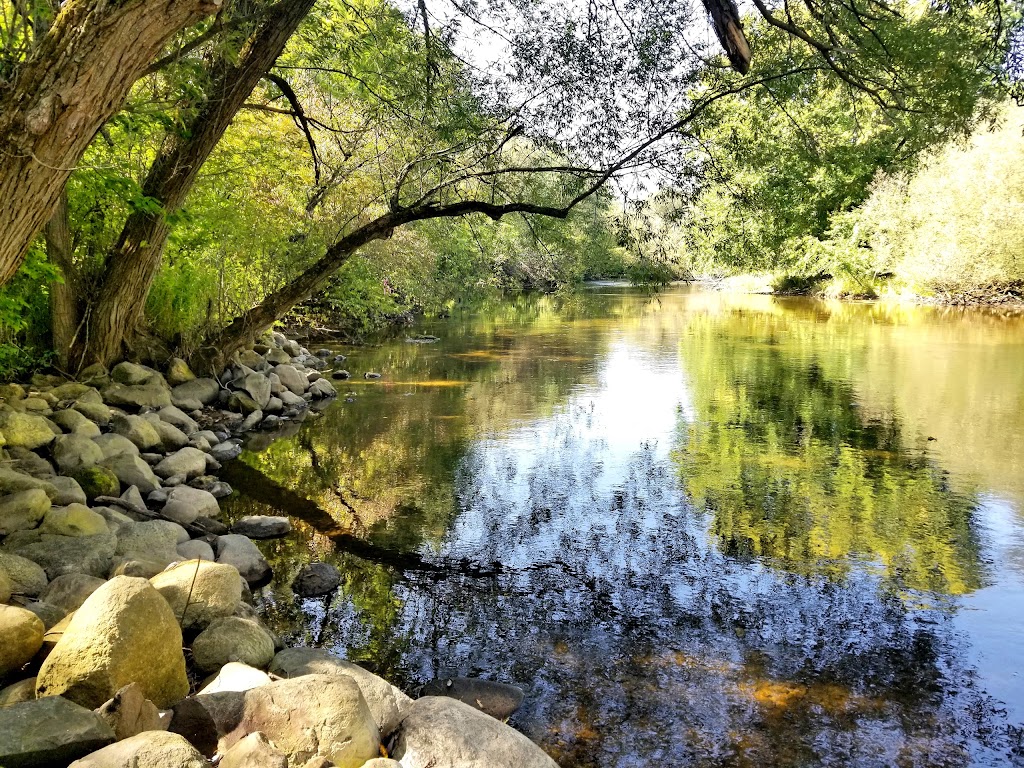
(698, 529)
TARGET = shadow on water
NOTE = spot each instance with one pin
(688, 526)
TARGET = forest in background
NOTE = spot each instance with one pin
(858, 150)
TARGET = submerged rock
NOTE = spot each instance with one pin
(262, 526)
(499, 700)
(316, 579)
(49, 732)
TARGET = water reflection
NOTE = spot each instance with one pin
(697, 529)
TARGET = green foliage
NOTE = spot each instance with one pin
(24, 318)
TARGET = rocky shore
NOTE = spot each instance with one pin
(127, 632)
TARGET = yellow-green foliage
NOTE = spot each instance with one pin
(958, 223)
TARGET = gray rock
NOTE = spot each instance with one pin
(194, 395)
(13, 482)
(322, 388)
(178, 372)
(341, 374)
(131, 470)
(150, 749)
(68, 491)
(278, 357)
(140, 569)
(29, 462)
(190, 462)
(23, 510)
(50, 615)
(174, 480)
(171, 438)
(138, 430)
(23, 690)
(291, 400)
(117, 520)
(200, 442)
(242, 403)
(239, 551)
(26, 577)
(131, 373)
(196, 549)
(124, 633)
(153, 540)
(58, 555)
(25, 430)
(233, 639)
(130, 713)
(49, 732)
(316, 579)
(69, 591)
(262, 526)
(74, 422)
(73, 451)
(250, 422)
(133, 498)
(387, 704)
(258, 387)
(440, 732)
(21, 636)
(292, 379)
(499, 700)
(226, 451)
(178, 418)
(73, 520)
(274, 406)
(184, 504)
(200, 592)
(116, 445)
(97, 413)
(293, 348)
(152, 395)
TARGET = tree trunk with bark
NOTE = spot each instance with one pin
(63, 295)
(135, 259)
(74, 80)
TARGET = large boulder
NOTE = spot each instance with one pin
(138, 430)
(125, 632)
(132, 470)
(150, 749)
(258, 387)
(49, 732)
(150, 395)
(69, 591)
(239, 551)
(184, 504)
(193, 395)
(73, 520)
(21, 636)
(189, 462)
(232, 639)
(290, 377)
(316, 715)
(386, 702)
(23, 510)
(26, 577)
(152, 540)
(69, 554)
(200, 592)
(97, 480)
(25, 430)
(441, 732)
(71, 452)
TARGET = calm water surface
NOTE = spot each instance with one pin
(698, 529)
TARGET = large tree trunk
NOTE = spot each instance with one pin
(135, 259)
(76, 78)
(63, 295)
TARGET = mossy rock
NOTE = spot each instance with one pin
(97, 481)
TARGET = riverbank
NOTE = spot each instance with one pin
(127, 629)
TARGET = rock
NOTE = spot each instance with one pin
(305, 717)
(226, 451)
(190, 462)
(371, 375)
(49, 732)
(71, 420)
(178, 372)
(232, 639)
(133, 498)
(386, 702)
(323, 352)
(12, 481)
(21, 635)
(194, 394)
(239, 551)
(250, 358)
(341, 374)
(278, 357)
(71, 452)
(100, 480)
(313, 376)
(292, 379)
(499, 700)
(322, 388)
(70, 554)
(69, 591)
(316, 579)
(151, 749)
(258, 387)
(153, 540)
(131, 470)
(197, 549)
(242, 403)
(185, 504)
(200, 442)
(440, 732)
(29, 462)
(116, 445)
(250, 422)
(73, 520)
(131, 373)
(97, 413)
(25, 576)
(125, 632)
(25, 430)
(130, 713)
(68, 491)
(171, 438)
(262, 526)
(5, 588)
(235, 676)
(292, 400)
(200, 592)
(178, 418)
(253, 751)
(152, 395)
(381, 762)
(50, 615)
(274, 406)
(138, 430)
(23, 510)
(174, 481)
(116, 519)
(23, 690)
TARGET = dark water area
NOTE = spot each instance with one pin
(698, 529)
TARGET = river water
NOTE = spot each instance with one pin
(698, 529)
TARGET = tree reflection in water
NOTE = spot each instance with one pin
(686, 528)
